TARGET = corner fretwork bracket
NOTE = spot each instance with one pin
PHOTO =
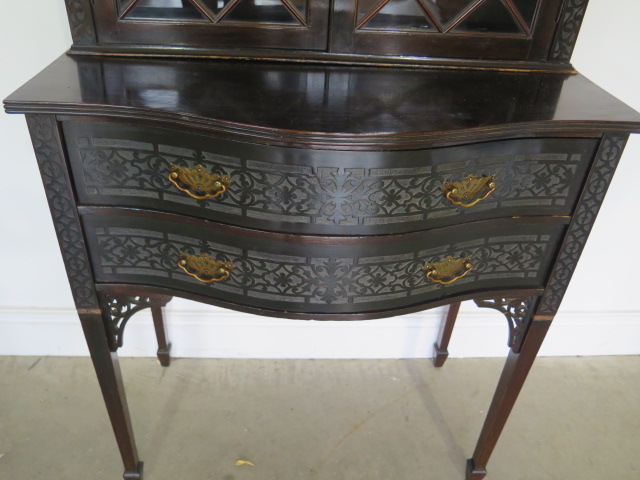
(118, 309)
(518, 312)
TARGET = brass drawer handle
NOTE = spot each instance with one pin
(204, 268)
(449, 270)
(469, 190)
(198, 183)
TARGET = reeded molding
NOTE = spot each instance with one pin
(330, 141)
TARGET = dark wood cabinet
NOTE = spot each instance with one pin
(399, 155)
(536, 33)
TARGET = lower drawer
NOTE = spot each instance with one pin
(312, 274)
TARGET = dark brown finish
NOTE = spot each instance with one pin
(535, 315)
(318, 275)
(348, 153)
(46, 139)
(124, 289)
(336, 108)
(323, 192)
(259, 56)
(222, 31)
(489, 33)
(47, 145)
(513, 376)
(469, 30)
(118, 309)
(164, 348)
(107, 369)
(440, 352)
(43, 127)
(80, 16)
(567, 30)
(517, 312)
(604, 166)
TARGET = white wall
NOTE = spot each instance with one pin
(599, 315)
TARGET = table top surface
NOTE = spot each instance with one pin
(347, 105)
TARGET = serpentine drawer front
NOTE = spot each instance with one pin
(323, 192)
(310, 274)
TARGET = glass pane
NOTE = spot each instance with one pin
(215, 5)
(165, 10)
(491, 16)
(365, 7)
(123, 4)
(260, 11)
(400, 15)
(301, 6)
(527, 9)
(447, 10)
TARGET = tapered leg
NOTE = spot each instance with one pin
(513, 376)
(46, 135)
(164, 348)
(440, 352)
(107, 369)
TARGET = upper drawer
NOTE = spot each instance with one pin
(323, 192)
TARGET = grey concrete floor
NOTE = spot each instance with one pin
(577, 418)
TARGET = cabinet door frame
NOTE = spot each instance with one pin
(346, 38)
(207, 35)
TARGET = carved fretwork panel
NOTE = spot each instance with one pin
(118, 309)
(568, 29)
(45, 137)
(604, 166)
(518, 313)
(81, 21)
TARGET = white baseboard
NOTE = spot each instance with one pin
(226, 334)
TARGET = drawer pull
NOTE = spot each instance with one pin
(469, 190)
(198, 183)
(449, 270)
(204, 268)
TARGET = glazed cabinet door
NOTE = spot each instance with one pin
(471, 29)
(207, 24)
